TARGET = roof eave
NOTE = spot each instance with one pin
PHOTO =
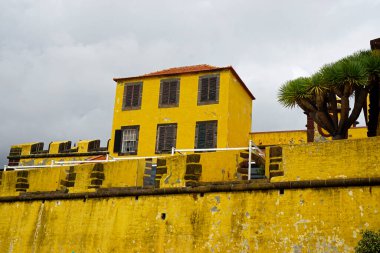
(192, 72)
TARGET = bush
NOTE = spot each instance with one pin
(370, 243)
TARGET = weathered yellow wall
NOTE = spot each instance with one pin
(53, 154)
(297, 136)
(48, 160)
(357, 132)
(185, 115)
(324, 220)
(116, 174)
(219, 166)
(334, 159)
(239, 114)
(279, 137)
(295, 220)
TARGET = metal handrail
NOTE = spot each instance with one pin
(109, 158)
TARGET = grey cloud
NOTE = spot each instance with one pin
(58, 58)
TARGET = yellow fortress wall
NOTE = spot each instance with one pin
(331, 160)
(260, 221)
(106, 207)
(263, 139)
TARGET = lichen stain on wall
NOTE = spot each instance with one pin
(308, 220)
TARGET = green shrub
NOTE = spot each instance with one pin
(370, 243)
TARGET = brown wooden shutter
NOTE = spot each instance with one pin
(166, 137)
(210, 135)
(128, 96)
(165, 93)
(206, 134)
(212, 89)
(201, 135)
(136, 95)
(204, 89)
(160, 138)
(117, 143)
(169, 142)
(161, 91)
(173, 92)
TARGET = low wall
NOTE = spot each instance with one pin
(294, 220)
(329, 160)
(176, 171)
(328, 194)
(297, 136)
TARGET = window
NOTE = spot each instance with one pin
(15, 152)
(206, 134)
(169, 93)
(37, 148)
(132, 96)
(64, 147)
(166, 138)
(130, 140)
(208, 89)
(126, 140)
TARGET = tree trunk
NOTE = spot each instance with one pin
(373, 107)
(360, 98)
(341, 136)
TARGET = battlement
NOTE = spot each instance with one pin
(33, 153)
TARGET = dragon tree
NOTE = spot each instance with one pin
(325, 96)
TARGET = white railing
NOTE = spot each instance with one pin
(251, 148)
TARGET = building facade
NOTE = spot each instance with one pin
(188, 107)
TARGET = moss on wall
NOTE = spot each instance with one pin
(308, 220)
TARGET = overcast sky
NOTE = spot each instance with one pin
(58, 57)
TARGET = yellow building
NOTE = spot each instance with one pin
(187, 107)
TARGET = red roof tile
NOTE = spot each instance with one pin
(188, 69)
(181, 70)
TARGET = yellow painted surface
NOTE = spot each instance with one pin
(25, 147)
(47, 179)
(259, 221)
(219, 166)
(48, 160)
(299, 220)
(124, 173)
(8, 184)
(176, 166)
(357, 132)
(54, 147)
(279, 137)
(239, 114)
(186, 114)
(333, 159)
(297, 136)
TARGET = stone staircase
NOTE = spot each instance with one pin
(257, 166)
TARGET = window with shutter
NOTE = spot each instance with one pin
(129, 140)
(15, 151)
(208, 89)
(166, 138)
(117, 142)
(169, 93)
(132, 96)
(206, 134)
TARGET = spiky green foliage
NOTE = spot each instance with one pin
(293, 91)
(317, 95)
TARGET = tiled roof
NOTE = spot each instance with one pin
(188, 69)
(181, 70)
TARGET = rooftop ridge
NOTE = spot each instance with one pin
(187, 69)
(183, 69)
